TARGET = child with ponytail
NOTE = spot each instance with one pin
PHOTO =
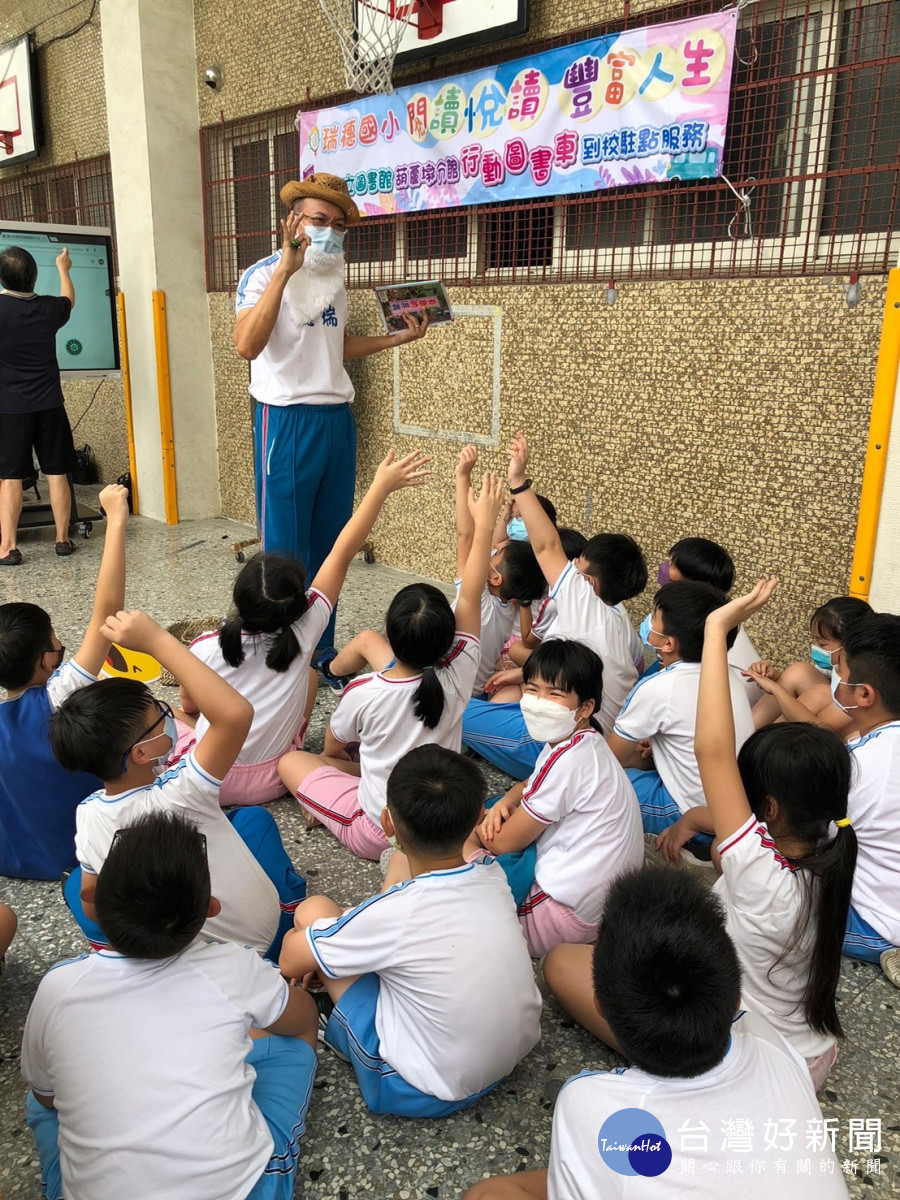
(264, 649)
(428, 669)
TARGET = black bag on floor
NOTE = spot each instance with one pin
(85, 466)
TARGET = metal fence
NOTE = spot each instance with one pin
(811, 167)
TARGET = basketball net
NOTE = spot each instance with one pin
(369, 33)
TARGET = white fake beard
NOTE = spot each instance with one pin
(314, 287)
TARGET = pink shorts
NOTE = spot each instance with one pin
(245, 783)
(821, 1065)
(546, 923)
(332, 796)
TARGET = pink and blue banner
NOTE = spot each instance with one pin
(641, 106)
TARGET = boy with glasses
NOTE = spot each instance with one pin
(38, 798)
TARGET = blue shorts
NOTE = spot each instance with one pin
(862, 941)
(351, 1032)
(658, 809)
(498, 733)
(285, 1069)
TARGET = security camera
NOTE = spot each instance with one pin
(214, 78)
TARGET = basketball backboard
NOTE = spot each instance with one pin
(441, 27)
(18, 132)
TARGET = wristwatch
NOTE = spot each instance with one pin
(523, 487)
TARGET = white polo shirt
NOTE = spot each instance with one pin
(278, 697)
(582, 616)
(580, 792)
(146, 1064)
(498, 618)
(458, 1007)
(377, 712)
(763, 897)
(738, 1132)
(300, 364)
(874, 809)
(663, 708)
(250, 906)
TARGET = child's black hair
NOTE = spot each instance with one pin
(684, 607)
(806, 769)
(833, 618)
(25, 634)
(435, 797)
(703, 561)
(18, 270)
(872, 654)
(153, 890)
(269, 597)
(523, 579)
(666, 974)
(547, 505)
(573, 542)
(420, 627)
(570, 666)
(618, 561)
(94, 726)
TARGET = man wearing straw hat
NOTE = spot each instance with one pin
(292, 327)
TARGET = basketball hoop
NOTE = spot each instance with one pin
(369, 34)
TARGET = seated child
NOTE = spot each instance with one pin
(662, 708)
(38, 798)
(415, 697)
(867, 687)
(667, 982)
(536, 625)
(701, 561)
(266, 647)
(577, 804)
(588, 595)
(117, 730)
(435, 999)
(145, 1081)
(802, 692)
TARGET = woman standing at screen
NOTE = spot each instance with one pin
(33, 418)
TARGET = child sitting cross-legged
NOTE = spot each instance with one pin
(666, 985)
(435, 999)
(151, 1071)
(418, 694)
(117, 730)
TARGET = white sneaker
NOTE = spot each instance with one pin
(890, 964)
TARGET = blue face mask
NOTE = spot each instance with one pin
(821, 658)
(516, 531)
(645, 629)
(327, 240)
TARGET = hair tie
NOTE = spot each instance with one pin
(424, 669)
(844, 821)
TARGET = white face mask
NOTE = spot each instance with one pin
(836, 682)
(547, 721)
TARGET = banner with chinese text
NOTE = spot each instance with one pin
(641, 106)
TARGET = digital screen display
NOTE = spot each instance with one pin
(87, 344)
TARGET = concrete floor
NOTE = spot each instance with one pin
(186, 571)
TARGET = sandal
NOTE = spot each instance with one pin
(64, 549)
(13, 559)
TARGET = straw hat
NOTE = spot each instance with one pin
(321, 187)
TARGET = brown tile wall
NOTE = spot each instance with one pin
(735, 410)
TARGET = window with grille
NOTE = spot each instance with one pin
(811, 176)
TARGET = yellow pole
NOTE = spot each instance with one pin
(126, 388)
(876, 450)
(167, 432)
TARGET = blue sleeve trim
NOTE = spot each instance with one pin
(558, 584)
(245, 278)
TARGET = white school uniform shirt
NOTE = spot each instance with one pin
(377, 712)
(145, 1062)
(299, 364)
(458, 1007)
(711, 1122)
(278, 697)
(742, 655)
(763, 897)
(544, 623)
(498, 619)
(580, 792)
(663, 708)
(250, 906)
(583, 617)
(874, 809)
